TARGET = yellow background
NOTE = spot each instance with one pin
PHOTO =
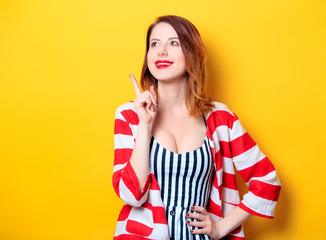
(64, 69)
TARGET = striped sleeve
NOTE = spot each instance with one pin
(125, 181)
(257, 171)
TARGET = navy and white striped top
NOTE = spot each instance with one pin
(185, 180)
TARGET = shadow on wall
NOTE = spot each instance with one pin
(215, 78)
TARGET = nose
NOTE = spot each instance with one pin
(162, 51)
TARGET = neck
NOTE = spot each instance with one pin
(172, 95)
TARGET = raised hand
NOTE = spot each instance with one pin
(145, 103)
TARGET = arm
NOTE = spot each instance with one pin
(140, 155)
(146, 105)
(216, 230)
(131, 178)
(233, 220)
(258, 173)
(125, 180)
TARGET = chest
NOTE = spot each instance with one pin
(180, 135)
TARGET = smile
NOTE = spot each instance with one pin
(163, 64)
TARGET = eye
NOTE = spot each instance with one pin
(153, 44)
(174, 43)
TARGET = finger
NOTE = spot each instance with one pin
(145, 100)
(135, 84)
(152, 105)
(153, 109)
(152, 97)
(195, 216)
(153, 92)
(148, 102)
(196, 224)
(198, 231)
(200, 209)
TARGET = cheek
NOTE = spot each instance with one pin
(149, 58)
(182, 61)
(181, 57)
(150, 64)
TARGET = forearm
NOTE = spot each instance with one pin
(234, 219)
(140, 156)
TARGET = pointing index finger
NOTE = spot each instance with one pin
(135, 84)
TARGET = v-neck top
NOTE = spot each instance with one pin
(185, 180)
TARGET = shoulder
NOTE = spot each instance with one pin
(221, 115)
(126, 107)
(220, 108)
(126, 112)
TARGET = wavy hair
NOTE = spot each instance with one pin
(195, 55)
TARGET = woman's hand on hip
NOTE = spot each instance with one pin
(205, 223)
(145, 103)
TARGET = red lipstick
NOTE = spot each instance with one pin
(163, 64)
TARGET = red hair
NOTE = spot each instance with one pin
(195, 54)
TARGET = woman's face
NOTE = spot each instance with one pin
(165, 58)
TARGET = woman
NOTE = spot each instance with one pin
(175, 149)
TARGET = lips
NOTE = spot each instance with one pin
(163, 64)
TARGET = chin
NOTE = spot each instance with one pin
(165, 78)
(160, 76)
(168, 77)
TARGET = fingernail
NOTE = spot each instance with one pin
(187, 214)
(187, 222)
(192, 208)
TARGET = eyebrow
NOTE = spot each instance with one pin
(156, 39)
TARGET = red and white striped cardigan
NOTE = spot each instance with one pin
(143, 215)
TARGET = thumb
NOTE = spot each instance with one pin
(153, 92)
